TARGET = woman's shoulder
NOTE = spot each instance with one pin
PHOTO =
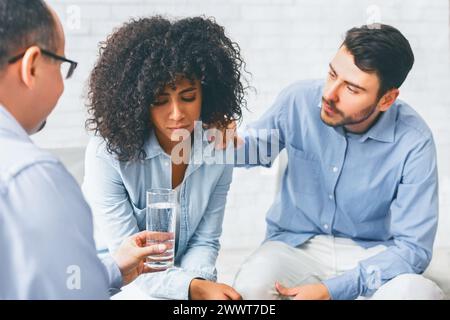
(97, 148)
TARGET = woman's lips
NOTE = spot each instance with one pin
(178, 127)
(178, 132)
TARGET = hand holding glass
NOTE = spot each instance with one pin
(161, 219)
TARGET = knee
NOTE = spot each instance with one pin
(410, 287)
(256, 278)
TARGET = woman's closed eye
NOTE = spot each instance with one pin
(160, 102)
(189, 97)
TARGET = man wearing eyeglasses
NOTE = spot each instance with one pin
(47, 249)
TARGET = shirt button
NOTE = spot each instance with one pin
(325, 226)
(335, 169)
(166, 163)
(330, 196)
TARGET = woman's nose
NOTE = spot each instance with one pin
(176, 114)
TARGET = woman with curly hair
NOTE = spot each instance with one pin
(154, 78)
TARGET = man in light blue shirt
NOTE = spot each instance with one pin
(358, 208)
(47, 249)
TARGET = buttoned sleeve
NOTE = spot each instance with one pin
(104, 189)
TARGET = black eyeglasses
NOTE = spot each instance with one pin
(71, 67)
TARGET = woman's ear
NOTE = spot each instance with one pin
(29, 65)
(388, 99)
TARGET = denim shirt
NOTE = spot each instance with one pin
(380, 187)
(116, 191)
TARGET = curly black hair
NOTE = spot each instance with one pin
(143, 56)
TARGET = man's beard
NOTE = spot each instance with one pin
(358, 118)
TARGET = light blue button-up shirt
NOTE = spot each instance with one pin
(116, 191)
(380, 187)
(47, 249)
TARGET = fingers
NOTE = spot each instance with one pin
(286, 291)
(221, 136)
(238, 142)
(230, 136)
(234, 295)
(143, 236)
(143, 252)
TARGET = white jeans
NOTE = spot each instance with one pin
(320, 258)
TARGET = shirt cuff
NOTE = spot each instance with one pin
(178, 285)
(345, 286)
(115, 280)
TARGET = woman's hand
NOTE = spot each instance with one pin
(207, 290)
(130, 256)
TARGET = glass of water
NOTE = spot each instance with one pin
(161, 219)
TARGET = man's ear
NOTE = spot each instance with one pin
(28, 67)
(388, 99)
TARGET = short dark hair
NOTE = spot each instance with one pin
(143, 56)
(24, 23)
(381, 49)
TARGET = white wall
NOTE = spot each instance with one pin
(282, 41)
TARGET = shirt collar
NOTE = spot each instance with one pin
(384, 129)
(152, 147)
(9, 123)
